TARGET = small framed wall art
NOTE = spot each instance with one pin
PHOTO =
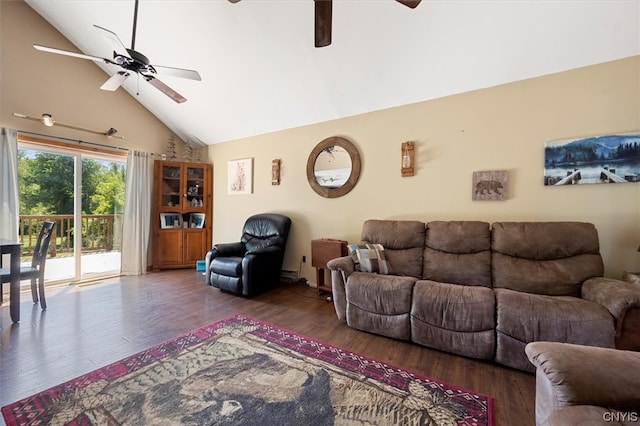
(489, 185)
(240, 176)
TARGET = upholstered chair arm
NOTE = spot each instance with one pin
(222, 249)
(615, 295)
(257, 265)
(207, 261)
(340, 268)
(569, 375)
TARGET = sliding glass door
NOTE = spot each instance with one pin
(102, 205)
(84, 194)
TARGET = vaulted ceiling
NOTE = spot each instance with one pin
(261, 72)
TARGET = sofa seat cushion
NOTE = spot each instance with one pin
(524, 318)
(379, 303)
(230, 266)
(454, 318)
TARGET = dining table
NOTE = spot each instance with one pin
(13, 249)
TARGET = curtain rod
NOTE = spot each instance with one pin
(80, 142)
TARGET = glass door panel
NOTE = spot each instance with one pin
(102, 208)
(84, 195)
(46, 185)
(171, 191)
(195, 186)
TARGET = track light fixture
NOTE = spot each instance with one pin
(47, 120)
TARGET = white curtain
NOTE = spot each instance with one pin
(9, 205)
(137, 213)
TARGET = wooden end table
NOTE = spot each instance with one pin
(322, 251)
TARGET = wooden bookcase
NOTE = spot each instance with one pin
(181, 222)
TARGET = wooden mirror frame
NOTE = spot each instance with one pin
(355, 167)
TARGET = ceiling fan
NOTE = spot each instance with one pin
(323, 18)
(131, 61)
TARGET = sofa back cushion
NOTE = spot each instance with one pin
(458, 252)
(552, 258)
(403, 242)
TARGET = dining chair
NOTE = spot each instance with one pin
(35, 272)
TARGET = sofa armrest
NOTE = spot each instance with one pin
(568, 375)
(343, 264)
(340, 268)
(615, 295)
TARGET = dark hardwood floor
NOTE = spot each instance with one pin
(88, 326)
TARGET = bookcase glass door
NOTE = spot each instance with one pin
(171, 191)
(195, 186)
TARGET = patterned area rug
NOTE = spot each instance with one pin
(240, 371)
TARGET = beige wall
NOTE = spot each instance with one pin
(34, 82)
(500, 128)
(503, 127)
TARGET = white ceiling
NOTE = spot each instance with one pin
(261, 72)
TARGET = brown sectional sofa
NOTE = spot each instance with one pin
(485, 291)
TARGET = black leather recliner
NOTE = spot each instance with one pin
(253, 264)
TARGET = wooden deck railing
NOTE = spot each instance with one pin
(100, 232)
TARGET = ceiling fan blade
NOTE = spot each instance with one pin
(74, 54)
(323, 15)
(115, 81)
(410, 3)
(178, 72)
(165, 89)
(114, 41)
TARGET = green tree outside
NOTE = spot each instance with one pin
(46, 185)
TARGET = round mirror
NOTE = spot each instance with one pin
(333, 167)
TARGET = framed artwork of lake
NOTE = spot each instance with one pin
(611, 158)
